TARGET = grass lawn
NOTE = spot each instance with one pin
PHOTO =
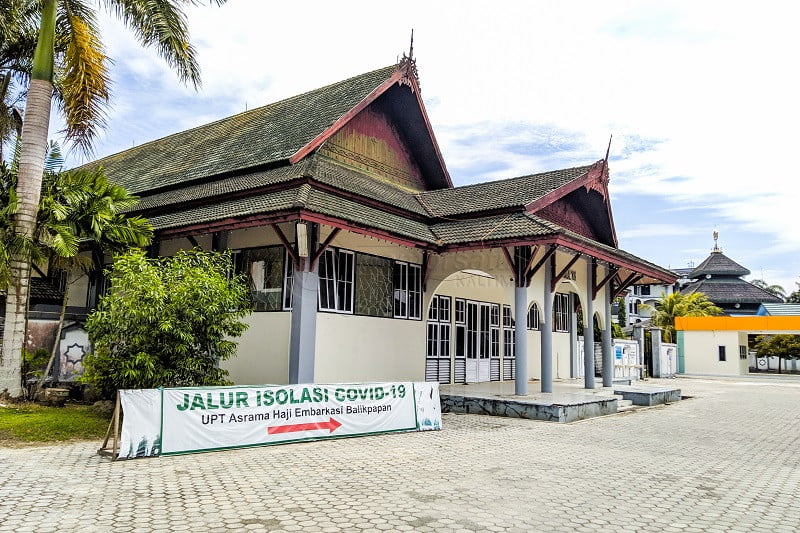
(27, 423)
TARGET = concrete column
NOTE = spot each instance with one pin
(302, 342)
(546, 330)
(588, 330)
(574, 365)
(638, 336)
(521, 341)
(655, 336)
(608, 343)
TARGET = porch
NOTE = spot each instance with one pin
(568, 402)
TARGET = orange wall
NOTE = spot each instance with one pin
(738, 323)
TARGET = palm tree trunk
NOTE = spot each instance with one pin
(33, 148)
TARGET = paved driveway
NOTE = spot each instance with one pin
(725, 460)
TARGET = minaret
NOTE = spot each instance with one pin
(716, 237)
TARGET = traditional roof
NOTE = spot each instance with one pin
(735, 290)
(718, 264)
(299, 159)
(501, 194)
(779, 309)
(256, 138)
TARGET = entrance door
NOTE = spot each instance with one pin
(479, 342)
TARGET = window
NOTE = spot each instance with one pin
(407, 282)
(373, 285)
(533, 317)
(336, 281)
(508, 320)
(288, 281)
(444, 308)
(461, 316)
(721, 353)
(742, 352)
(645, 290)
(264, 269)
(561, 312)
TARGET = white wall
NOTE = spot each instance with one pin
(701, 353)
(358, 348)
(263, 352)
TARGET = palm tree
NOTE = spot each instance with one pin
(71, 25)
(677, 304)
(775, 290)
(77, 209)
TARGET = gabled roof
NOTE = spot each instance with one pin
(257, 138)
(500, 194)
(718, 264)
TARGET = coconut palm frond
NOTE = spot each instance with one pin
(161, 24)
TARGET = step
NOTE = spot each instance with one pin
(625, 405)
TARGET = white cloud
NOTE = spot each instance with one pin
(700, 97)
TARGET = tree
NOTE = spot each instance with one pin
(781, 346)
(622, 316)
(677, 304)
(775, 290)
(166, 322)
(794, 298)
(70, 25)
(78, 209)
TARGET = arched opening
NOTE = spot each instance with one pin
(469, 330)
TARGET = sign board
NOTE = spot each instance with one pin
(183, 420)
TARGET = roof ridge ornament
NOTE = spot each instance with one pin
(408, 65)
(716, 237)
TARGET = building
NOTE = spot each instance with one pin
(365, 263)
(720, 279)
(723, 345)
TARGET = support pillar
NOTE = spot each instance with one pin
(302, 342)
(546, 330)
(608, 343)
(521, 341)
(588, 329)
(638, 336)
(655, 336)
(574, 357)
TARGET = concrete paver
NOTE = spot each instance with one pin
(725, 460)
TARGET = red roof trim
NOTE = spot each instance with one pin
(595, 178)
(398, 77)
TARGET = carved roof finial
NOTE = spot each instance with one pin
(409, 64)
(716, 237)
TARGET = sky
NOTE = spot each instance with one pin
(700, 98)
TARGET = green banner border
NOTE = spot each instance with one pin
(290, 441)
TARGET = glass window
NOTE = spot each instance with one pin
(401, 290)
(722, 353)
(495, 316)
(508, 320)
(433, 313)
(288, 281)
(407, 281)
(336, 281)
(444, 308)
(373, 294)
(533, 317)
(414, 291)
(264, 269)
(461, 317)
(561, 312)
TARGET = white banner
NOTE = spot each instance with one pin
(201, 419)
(141, 423)
(181, 420)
